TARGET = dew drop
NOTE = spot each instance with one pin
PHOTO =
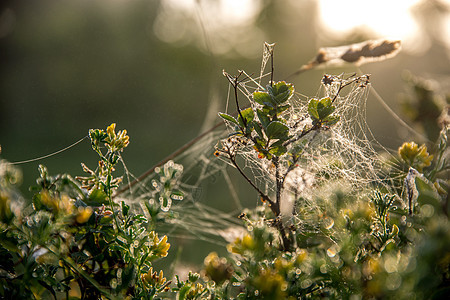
(328, 223)
(331, 252)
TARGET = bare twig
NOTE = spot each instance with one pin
(234, 80)
(261, 193)
(269, 48)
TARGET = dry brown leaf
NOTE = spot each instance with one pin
(358, 54)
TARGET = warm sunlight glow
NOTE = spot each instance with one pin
(232, 11)
(222, 26)
(385, 18)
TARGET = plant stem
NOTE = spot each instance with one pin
(271, 61)
(274, 206)
(279, 188)
(263, 196)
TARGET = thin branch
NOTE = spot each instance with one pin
(347, 83)
(339, 90)
(234, 80)
(263, 196)
(271, 61)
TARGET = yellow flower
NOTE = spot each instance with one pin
(248, 242)
(153, 279)
(66, 205)
(159, 247)
(83, 214)
(415, 156)
(195, 291)
(116, 142)
(241, 245)
(216, 268)
(270, 284)
(57, 205)
(111, 130)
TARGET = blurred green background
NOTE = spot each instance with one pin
(155, 67)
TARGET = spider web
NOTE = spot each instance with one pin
(344, 154)
(340, 157)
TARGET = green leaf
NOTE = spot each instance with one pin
(8, 243)
(248, 116)
(143, 258)
(282, 108)
(331, 120)
(96, 197)
(260, 143)
(125, 209)
(276, 130)
(325, 108)
(263, 118)
(312, 109)
(280, 92)
(277, 143)
(278, 150)
(258, 129)
(183, 291)
(321, 110)
(227, 117)
(262, 98)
